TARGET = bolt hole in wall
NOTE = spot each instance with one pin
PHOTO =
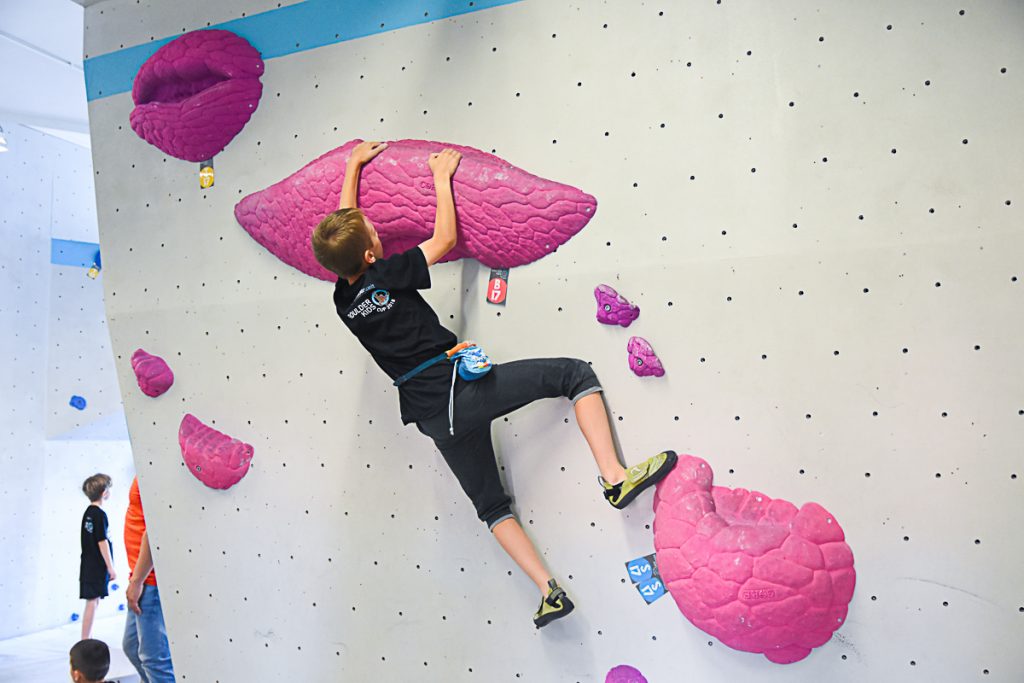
(800, 258)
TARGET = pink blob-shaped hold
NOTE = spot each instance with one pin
(613, 308)
(756, 573)
(642, 359)
(506, 216)
(196, 93)
(624, 674)
(215, 459)
(152, 373)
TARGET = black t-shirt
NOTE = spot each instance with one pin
(399, 329)
(94, 530)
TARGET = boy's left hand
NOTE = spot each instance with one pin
(366, 150)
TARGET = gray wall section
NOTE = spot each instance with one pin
(841, 324)
(55, 345)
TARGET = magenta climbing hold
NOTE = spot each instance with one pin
(642, 359)
(215, 459)
(624, 674)
(613, 308)
(756, 573)
(152, 373)
(196, 93)
(506, 216)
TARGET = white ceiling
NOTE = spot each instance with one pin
(42, 84)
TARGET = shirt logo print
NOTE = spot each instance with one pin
(378, 302)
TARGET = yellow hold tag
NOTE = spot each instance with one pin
(93, 272)
(206, 174)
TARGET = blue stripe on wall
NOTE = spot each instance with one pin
(286, 30)
(72, 253)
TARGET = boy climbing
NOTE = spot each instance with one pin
(378, 300)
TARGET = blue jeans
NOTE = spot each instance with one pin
(145, 640)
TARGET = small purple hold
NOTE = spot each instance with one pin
(642, 359)
(77, 402)
(613, 308)
(624, 674)
(152, 372)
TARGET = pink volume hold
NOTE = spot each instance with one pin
(196, 93)
(506, 216)
(152, 373)
(215, 459)
(756, 573)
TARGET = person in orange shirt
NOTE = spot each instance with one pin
(145, 636)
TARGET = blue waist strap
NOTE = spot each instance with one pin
(420, 368)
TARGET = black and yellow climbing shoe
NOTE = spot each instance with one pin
(638, 478)
(554, 606)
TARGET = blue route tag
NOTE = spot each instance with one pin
(651, 590)
(640, 570)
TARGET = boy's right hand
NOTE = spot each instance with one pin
(366, 150)
(444, 163)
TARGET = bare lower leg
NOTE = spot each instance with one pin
(593, 421)
(87, 616)
(521, 549)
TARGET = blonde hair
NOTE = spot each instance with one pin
(95, 486)
(340, 242)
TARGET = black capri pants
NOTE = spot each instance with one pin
(507, 387)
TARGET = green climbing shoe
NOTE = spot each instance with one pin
(555, 606)
(638, 478)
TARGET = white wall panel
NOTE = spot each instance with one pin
(349, 551)
(55, 346)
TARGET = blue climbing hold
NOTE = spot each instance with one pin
(77, 402)
(120, 608)
(114, 586)
(74, 616)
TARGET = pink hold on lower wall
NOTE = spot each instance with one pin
(152, 373)
(758, 574)
(215, 459)
(625, 674)
(506, 216)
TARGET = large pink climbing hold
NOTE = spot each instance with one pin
(624, 674)
(756, 573)
(613, 308)
(196, 93)
(152, 373)
(506, 216)
(642, 359)
(215, 459)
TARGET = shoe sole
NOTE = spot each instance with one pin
(551, 616)
(670, 462)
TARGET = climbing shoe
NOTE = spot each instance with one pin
(554, 606)
(638, 478)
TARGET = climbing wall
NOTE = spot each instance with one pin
(56, 346)
(816, 207)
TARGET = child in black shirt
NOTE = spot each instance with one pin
(378, 301)
(97, 565)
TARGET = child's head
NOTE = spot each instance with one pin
(90, 661)
(96, 487)
(346, 243)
